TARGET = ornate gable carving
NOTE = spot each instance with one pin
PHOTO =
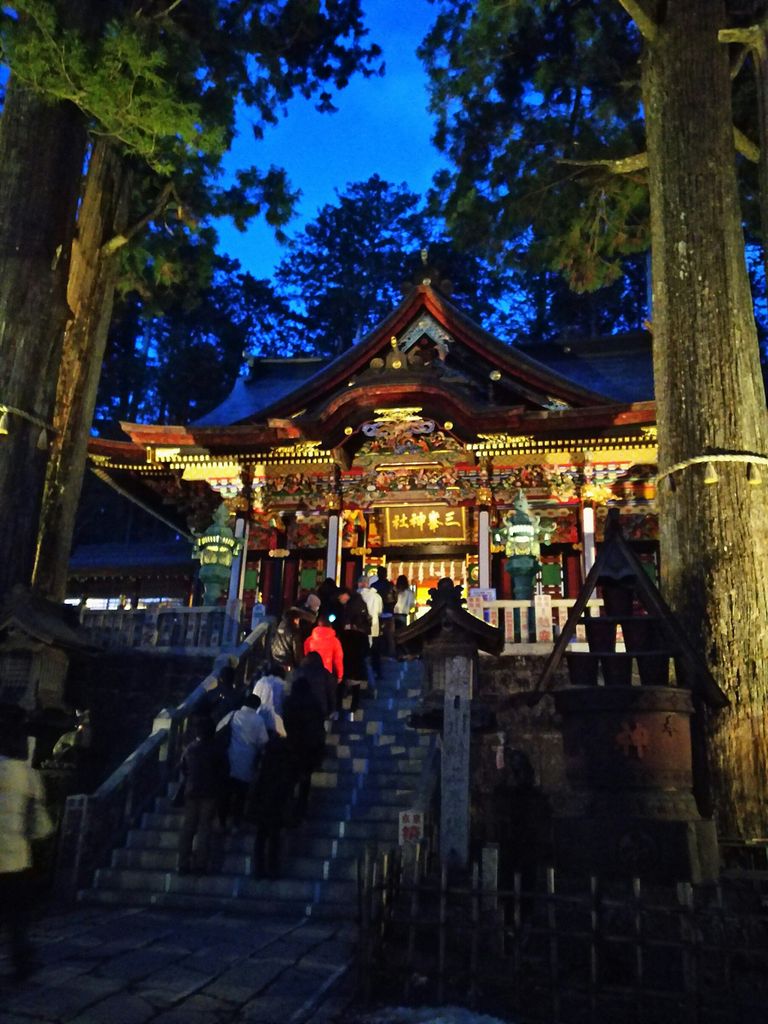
(426, 327)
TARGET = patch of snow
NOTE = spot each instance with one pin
(429, 1015)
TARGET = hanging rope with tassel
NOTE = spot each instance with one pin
(42, 440)
(752, 461)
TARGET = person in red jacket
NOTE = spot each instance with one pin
(324, 640)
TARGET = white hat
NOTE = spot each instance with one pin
(313, 603)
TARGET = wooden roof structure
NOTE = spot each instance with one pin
(616, 561)
(487, 397)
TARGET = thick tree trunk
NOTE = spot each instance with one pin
(90, 295)
(709, 396)
(42, 148)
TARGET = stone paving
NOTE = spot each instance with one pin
(140, 965)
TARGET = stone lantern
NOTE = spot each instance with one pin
(37, 637)
(449, 639)
(216, 549)
(521, 534)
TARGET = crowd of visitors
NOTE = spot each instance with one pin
(255, 747)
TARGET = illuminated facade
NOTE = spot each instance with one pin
(408, 449)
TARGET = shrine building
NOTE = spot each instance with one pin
(406, 450)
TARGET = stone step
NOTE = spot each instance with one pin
(310, 839)
(222, 886)
(293, 867)
(369, 813)
(386, 736)
(324, 808)
(386, 780)
(375, 755)
(397, 756)
(382, 833)
(343, 783)
(370, 795)
(373, 766)
(405, 767)
(388, 694)
(345, 908)
(258, 907)
(390, 713)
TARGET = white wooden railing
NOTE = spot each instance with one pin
(204, 629)
(530, 627)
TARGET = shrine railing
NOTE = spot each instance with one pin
(530, 627)
(204, 629)
(93, 824)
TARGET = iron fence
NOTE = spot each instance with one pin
(554, 950)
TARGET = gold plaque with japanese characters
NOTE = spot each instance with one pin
(425, 524)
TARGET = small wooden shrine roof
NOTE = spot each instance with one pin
(42, 621)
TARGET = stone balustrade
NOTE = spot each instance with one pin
(202, 629)
(93, 823)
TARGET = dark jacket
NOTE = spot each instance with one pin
(304, 721)
(271, 797)
(322, 684)
(387, 593)
(356, 648)
(203, 768)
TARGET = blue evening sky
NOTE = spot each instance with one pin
(382, 127)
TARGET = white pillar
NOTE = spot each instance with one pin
(333, 550)
(237, 572)
(588, 538)
(484, 548)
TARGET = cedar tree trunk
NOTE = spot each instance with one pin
(709, 396)
(42, 148)
(90, 294)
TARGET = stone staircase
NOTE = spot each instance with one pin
(375, 767)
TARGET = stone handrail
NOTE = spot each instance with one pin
(530, 627)
(167, 628)
(93, 824)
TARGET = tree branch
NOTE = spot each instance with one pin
(639, 162)
(118, 241)
(752, 38)
(626, 165)
(646, 26)
(746, 146)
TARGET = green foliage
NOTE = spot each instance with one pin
(611, 223)
(521, 92)
(177, 339)
(163, 78)
(118, 79)
(345, 270)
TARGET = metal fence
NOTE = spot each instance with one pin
(564, 951)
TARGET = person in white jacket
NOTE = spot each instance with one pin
(23, 817)
(248, 737)
(375, 606)
(272, 718)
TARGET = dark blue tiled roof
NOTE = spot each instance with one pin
(619, 366)
(269, 380)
